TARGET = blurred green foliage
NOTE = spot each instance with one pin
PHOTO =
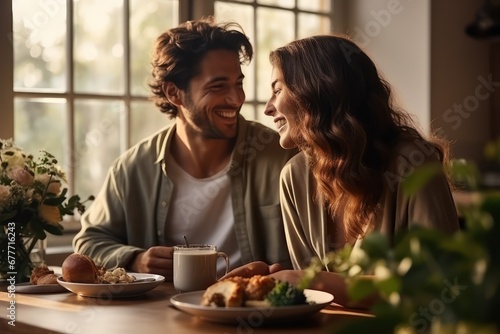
(428, 281)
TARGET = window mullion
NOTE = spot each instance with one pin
(125, 140)
(70, 98)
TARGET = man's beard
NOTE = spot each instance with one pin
(199, 118)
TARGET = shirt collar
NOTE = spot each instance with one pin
(239, 149)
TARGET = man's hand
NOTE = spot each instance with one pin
(156, 260)
(252, 269)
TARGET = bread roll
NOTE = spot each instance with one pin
(79, 268)
(43, 275)
(47, 279)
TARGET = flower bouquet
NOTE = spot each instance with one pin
(32, 202)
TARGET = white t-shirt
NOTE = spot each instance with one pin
(201, 210)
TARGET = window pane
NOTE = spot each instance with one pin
(280, 3)
(263, 118)
(310, 24)
(146, 119)
(41, 124)
(248, 111)
(99, 139)
(315, 5)
(98, 46)
(39, 31)
(148, 19)
(271, 34)
(244, 15)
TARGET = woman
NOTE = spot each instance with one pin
(357, 148)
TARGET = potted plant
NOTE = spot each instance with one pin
(427, 281)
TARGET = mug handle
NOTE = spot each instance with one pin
(226, 258)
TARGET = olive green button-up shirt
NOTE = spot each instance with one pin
(129, 213)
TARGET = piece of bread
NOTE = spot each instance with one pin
(258, 287)
(79, 268)
(47, 279)
(224, 293)
(42, 275)
(239, 291)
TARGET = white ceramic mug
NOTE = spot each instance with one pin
(195, 266)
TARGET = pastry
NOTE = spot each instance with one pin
(79, 268)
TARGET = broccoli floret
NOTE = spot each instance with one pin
(284, 294)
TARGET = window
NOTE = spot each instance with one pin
(270, 24)
(80, 71)
(80, 80)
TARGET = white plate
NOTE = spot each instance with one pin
(43, 288)
(190, 302)
(108, 291)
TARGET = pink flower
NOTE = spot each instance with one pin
(20, 175)
(49, 214)
(4, 193)
(54, 186)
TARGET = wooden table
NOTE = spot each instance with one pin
(149, 313)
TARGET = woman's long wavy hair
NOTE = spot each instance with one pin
(178, 52)
(349, 124)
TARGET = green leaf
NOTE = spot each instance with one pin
(54, 229)
(376, 246)
(40, 234)
(66, 211)
(420, 177)
(7, 217)
(465, 172)
(73, 200)
(389, 285)
(63, 192)
(361, 287)
(491, 204)
(54, 201)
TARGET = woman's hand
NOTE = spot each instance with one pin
(291, 276)
(252, 269)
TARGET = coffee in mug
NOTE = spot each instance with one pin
(195, 266)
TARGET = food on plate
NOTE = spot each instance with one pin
(261, 291)
(79, 268)
(42, 275)
(224, 293)
(285, 294)
(119, 275)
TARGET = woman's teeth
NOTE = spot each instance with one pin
(280, 123)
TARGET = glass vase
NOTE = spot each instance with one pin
(20, 256)
(30, 254)
(38, 253)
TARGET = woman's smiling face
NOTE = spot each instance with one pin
(282, 107)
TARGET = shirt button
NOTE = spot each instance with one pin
(158, 233)
(164, 204)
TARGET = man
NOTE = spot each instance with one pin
(211, 177)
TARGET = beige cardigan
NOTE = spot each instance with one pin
(306, 221)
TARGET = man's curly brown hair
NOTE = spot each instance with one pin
(178, 52)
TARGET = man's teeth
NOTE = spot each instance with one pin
(227, 114)
(280, 123)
